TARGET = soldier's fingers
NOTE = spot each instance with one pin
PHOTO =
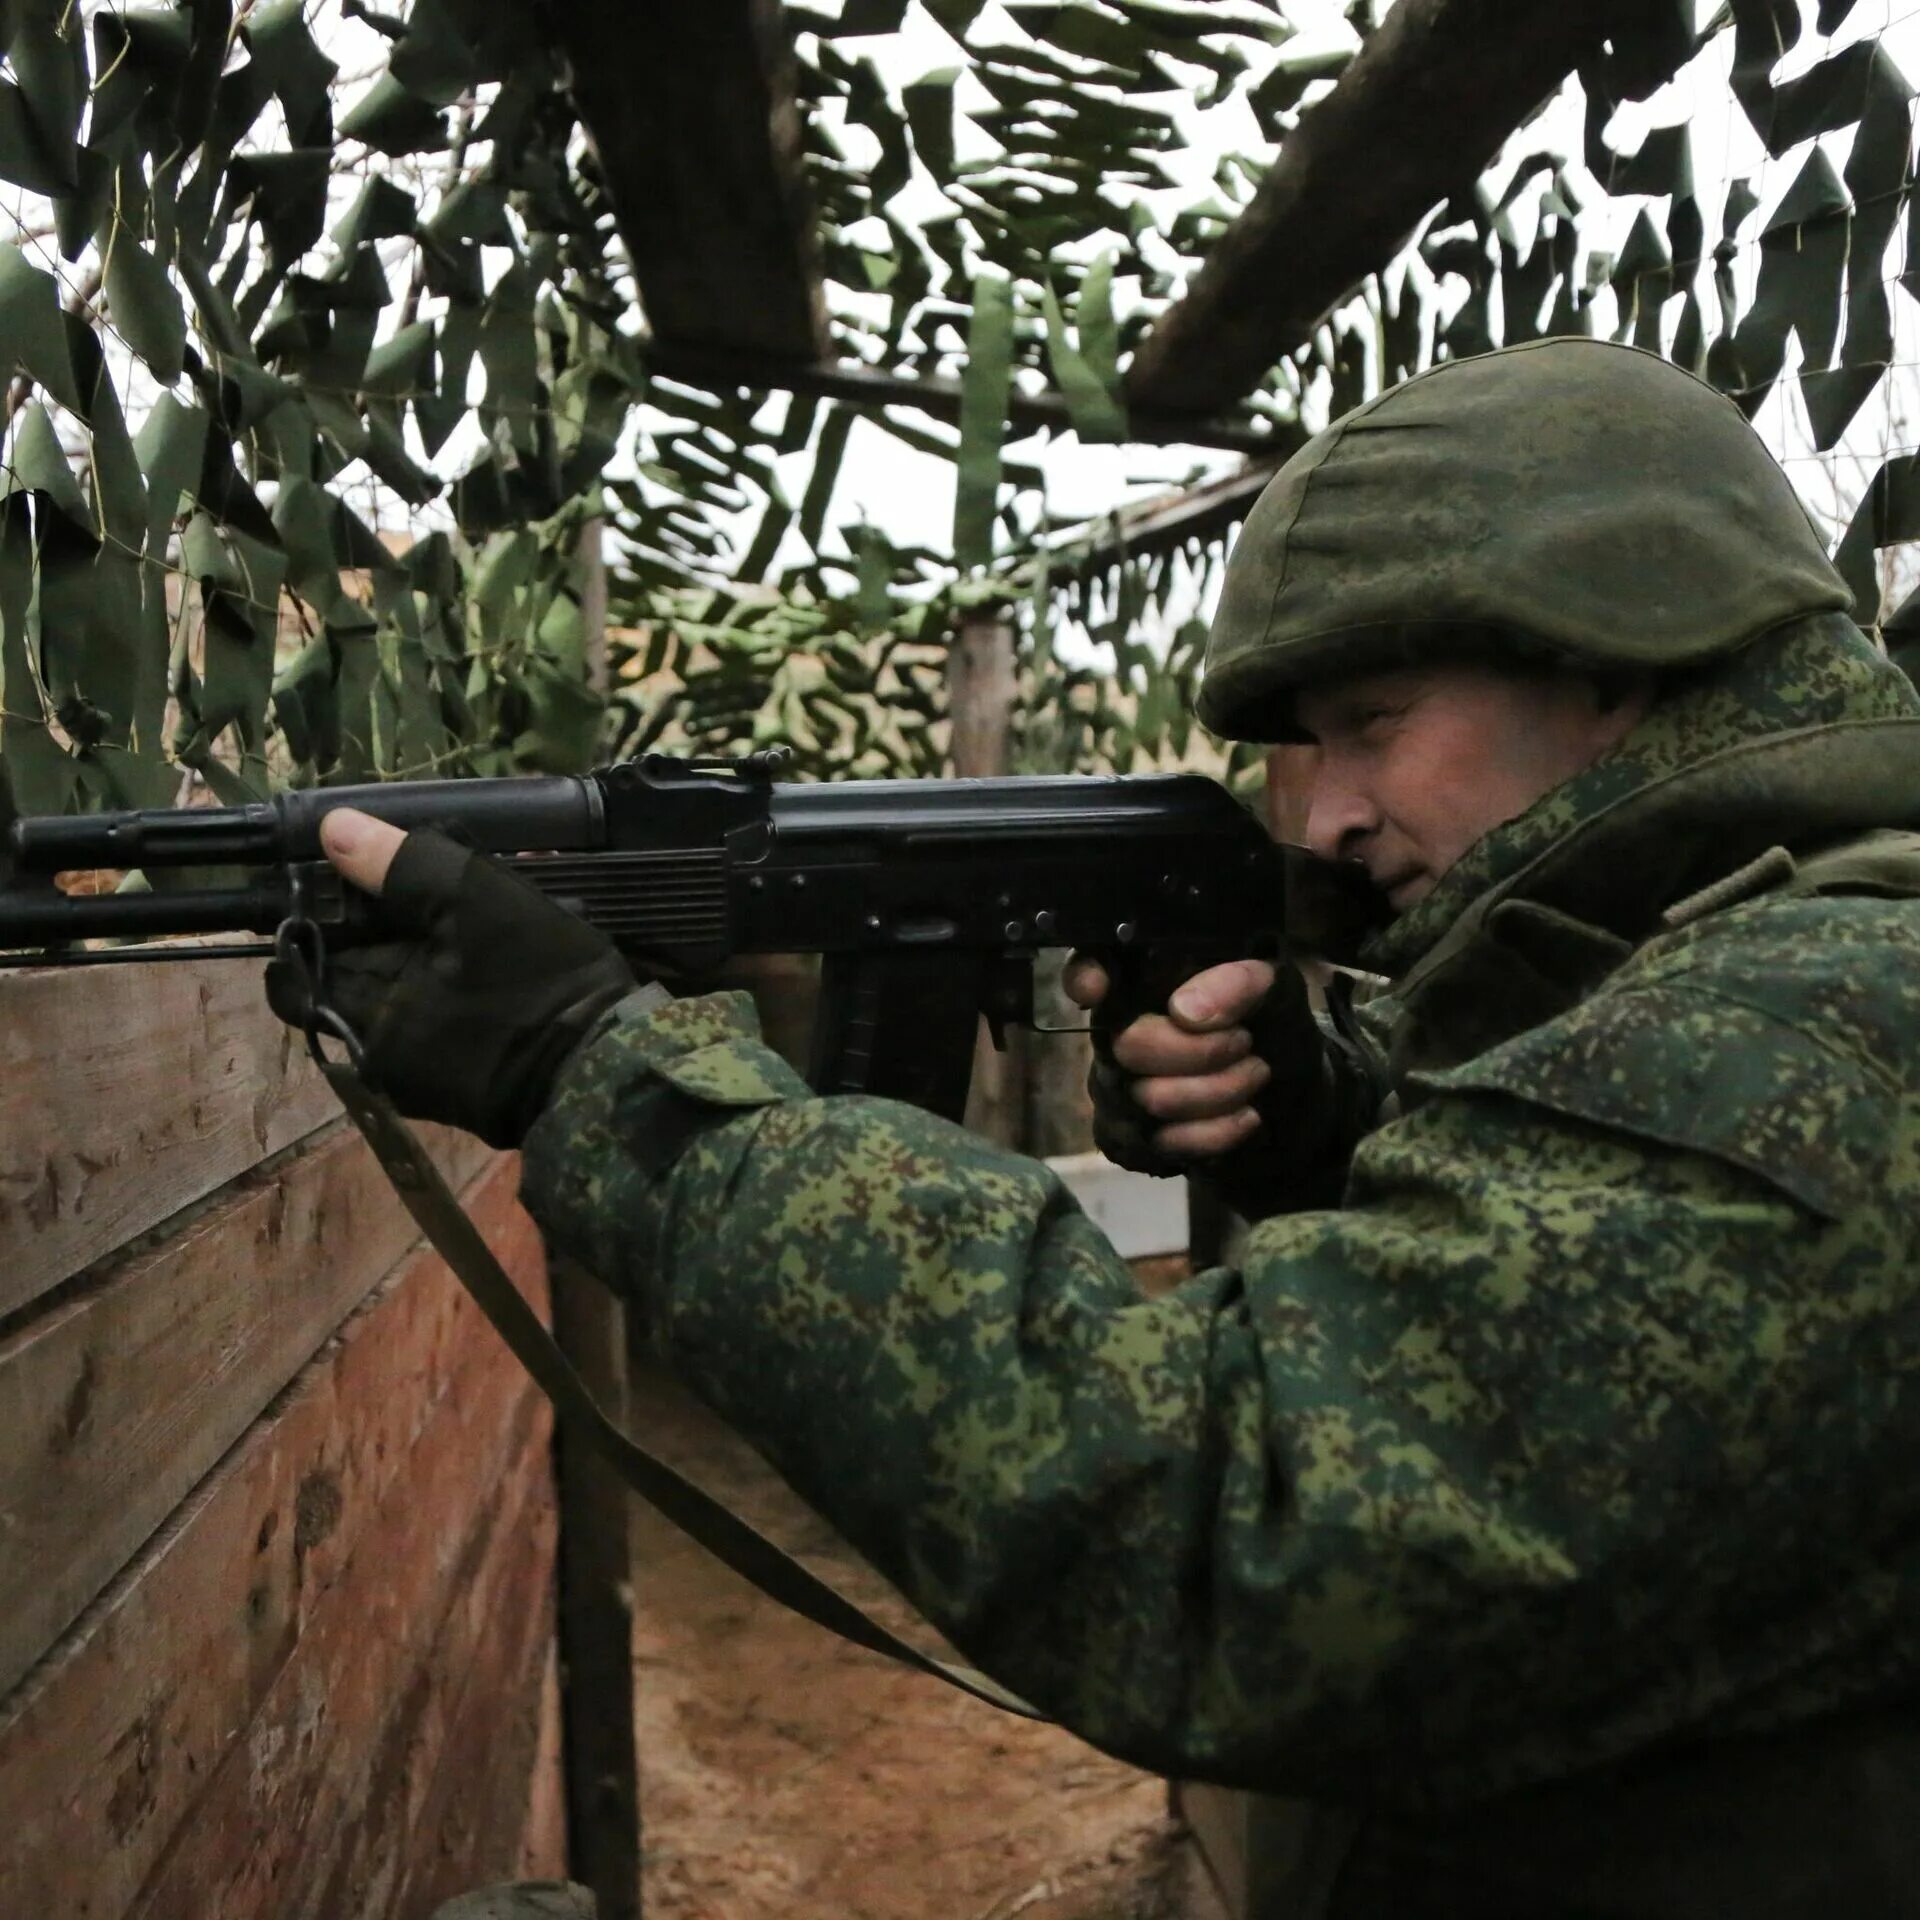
(1084, 980)
(360, 846)
(1221, 996)
(1204, 1096)
(1205, 1139)
(1154, 1045)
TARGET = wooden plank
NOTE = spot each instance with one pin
(364, 1784)
(127, 1093)
(1424, 107)
(981, 690)
(493, 1655)
(601, 1769)
(693, 115)
(715, 365)
(116, 1402)
(252, 1660)
(1153, 526)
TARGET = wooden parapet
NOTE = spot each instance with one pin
(127, 1093)
(277, 1507)
(692, 114)
(596, 1611)
(117, 1402)
(1423, 108)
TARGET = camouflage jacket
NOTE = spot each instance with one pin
(1583, 1428)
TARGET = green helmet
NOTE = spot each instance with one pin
(1569, 499)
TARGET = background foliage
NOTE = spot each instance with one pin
(294, 305)
(263, 313)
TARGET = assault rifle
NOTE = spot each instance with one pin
(927, 900)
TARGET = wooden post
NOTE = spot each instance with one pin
(980, 696)
(595, 1564)
(980, 693)
(596, 1611)
(695, 118)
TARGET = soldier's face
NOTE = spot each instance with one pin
(1412, 767)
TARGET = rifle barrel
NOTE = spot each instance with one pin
(547, 812)
(31, 918)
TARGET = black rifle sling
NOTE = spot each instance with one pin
(702, 1518)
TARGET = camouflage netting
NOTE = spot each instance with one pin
(325, 381)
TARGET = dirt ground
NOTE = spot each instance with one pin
(784, 1773)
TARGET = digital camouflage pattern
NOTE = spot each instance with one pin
(1580, 1434)
(1326, 1524)
(1514, 491)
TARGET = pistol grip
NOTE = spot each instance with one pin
(1141, 980)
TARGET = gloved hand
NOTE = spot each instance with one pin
(1236, 1052)
(469, 1011)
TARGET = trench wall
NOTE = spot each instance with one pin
(278, 1514)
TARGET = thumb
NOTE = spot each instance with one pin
(1221, 996)
(360, 846)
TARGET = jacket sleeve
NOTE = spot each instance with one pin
(1478, 1458)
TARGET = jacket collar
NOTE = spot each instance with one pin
(1807, 737)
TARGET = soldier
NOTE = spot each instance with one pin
(1537, 1503)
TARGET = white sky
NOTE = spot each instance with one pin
(911, 495)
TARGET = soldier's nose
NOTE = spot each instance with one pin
(1340, 820)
